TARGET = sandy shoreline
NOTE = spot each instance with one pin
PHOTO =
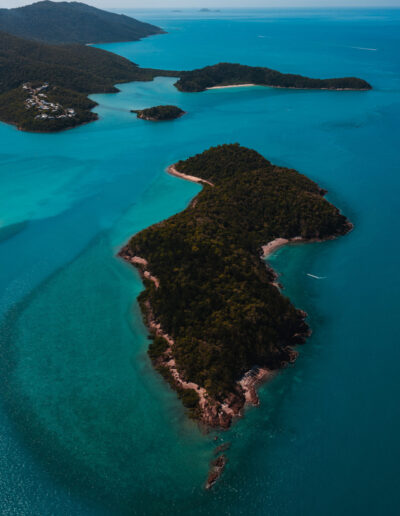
(285, 87)
(229, 86)
(274, 245)
(172, 170)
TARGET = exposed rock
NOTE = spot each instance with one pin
(217, 467)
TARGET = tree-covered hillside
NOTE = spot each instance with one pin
(81, 70)
(215, 296)
(77, 67)
(224, 74)
(72, 22)
(72, 71)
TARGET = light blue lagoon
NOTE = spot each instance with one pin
(87, 426)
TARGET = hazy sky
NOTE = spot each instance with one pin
(140, 4)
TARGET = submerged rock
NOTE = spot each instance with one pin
(221, 448)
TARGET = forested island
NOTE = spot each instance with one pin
(230, 74)
(217, 319)
(72, 22)
(159, 113)
(72, 73)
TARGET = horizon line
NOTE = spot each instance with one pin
(214, 9)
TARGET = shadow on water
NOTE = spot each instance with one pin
(11, 230)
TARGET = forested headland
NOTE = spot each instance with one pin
(227, 74)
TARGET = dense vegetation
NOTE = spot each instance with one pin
(224, 74)
(72, 22)
(76, 71)
(76, 67)
(159, 113)
(215, 297)
(13, 110)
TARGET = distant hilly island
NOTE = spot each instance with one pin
(72, 22)
(47, 68)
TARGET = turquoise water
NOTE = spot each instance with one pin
(87, 427)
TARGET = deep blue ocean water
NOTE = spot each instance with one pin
(87, 427)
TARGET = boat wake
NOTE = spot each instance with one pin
(366, 48)
(316, 277)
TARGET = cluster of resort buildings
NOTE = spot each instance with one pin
(38, 99)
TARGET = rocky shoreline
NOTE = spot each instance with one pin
(152, 119)
(212, 413)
